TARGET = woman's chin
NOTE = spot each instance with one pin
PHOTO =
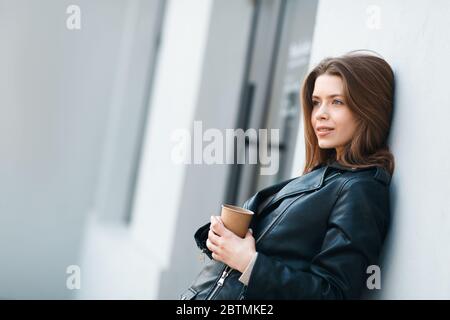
(326, 145)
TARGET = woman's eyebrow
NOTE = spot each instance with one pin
(330, 96)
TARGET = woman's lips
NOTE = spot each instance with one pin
(324, 133)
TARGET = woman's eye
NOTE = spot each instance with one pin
(337, 101)
(315, 103)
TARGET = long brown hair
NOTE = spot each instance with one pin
(369, 91)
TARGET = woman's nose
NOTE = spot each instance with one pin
(322, 112)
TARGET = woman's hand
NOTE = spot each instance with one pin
(228, 247)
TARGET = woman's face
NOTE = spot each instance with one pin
(330, 110)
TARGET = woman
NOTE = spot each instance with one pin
(314, 236)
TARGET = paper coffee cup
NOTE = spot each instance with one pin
(236, 219)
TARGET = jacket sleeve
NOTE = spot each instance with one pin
(201, 235)
(355, 232)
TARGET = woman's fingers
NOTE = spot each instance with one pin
(213, 238)
(211, 246)
(219, 220)
(218, 227)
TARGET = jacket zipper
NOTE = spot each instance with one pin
(227, 270)
(333, 175)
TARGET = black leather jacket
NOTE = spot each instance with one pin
(315, 238)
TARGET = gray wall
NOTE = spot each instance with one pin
(57, 90)
(412, 36)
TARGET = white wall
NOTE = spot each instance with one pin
(125, 261)
(204, 186)
(412, 38)
(172, 107)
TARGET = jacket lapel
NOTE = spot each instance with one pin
(307, 182)
(253, 203)
(310, 181)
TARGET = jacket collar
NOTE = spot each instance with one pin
(381, 173)
(314, 179)
(307, 182)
